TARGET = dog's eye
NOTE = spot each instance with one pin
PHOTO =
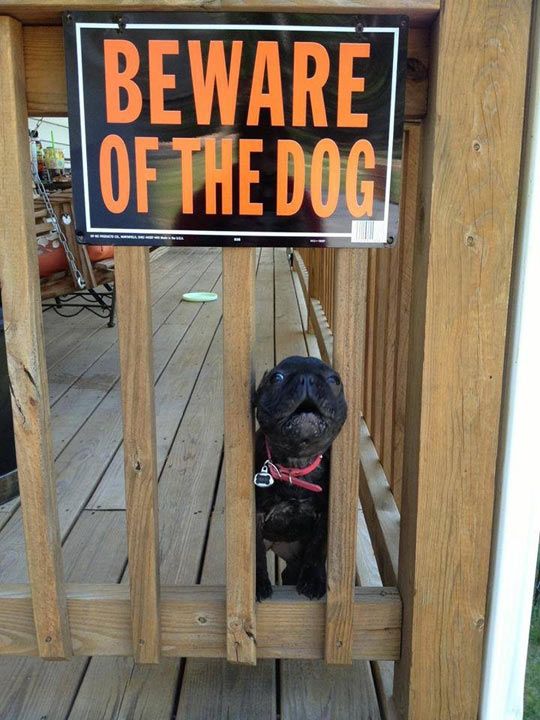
(277, 377)
(334, 379)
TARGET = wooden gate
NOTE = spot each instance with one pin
(418, 336)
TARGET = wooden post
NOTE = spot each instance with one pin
(350, 288)
(238, 385)
(21, 300)
(459, 314)
(132, 277)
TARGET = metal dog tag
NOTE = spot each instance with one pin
(263, 478)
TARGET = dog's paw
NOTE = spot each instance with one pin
(312, 582)
(263, 588)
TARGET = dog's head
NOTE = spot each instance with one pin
(301, 406)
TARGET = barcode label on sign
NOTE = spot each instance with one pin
(368, 231)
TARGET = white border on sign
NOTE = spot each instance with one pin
(380, 227)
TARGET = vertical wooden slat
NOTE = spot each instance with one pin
(408, 233)
(371, 313)
(132, 277)
(461, 285)
(379, 343)
(307, 255)
(238, 381)
(389, 360)
(349, 332)
(26, 358)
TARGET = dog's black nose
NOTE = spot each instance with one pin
(307, 379)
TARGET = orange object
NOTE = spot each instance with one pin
(51, 259)
(100, 252)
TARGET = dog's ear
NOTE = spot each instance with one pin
(259, 388)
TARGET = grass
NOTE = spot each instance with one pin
(532, 679)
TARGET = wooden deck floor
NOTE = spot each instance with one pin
(83, 370)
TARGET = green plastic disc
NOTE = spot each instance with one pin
(199, 296)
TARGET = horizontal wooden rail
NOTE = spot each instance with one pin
(420, 12)
(46, 74)
(193, 622)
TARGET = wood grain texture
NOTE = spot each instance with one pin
(195, 327)
(409, 230)
(389, 360)
(193, 622)
(30, 12)
(381, 512)
(288, 332)
(89, 449)
(311, 688)
(186, 490)
(134, 306)
(321, 328)
(317, 320)
(368, 574)
(349, 334)
(317, 692)
(379, 346)
(46, 75)
(95, 551)
(369, 343)
(26, 356)
(238, 389)
(461, 290)
(214, 689)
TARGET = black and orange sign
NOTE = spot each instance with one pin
(235, 128)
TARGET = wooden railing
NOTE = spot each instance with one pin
(389, 282)
(55, 619)
(454, 375)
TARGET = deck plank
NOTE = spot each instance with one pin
(80, 400)
(63, 334)
(81, 464)
(30, 688)
(311, 689)
(86, 351)
(173, 389)
(186, 491)
(216, 689)
(113, 688)
(69, 415)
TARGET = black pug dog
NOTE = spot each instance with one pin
(300, 408)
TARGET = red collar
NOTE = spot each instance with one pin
(293, 475)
